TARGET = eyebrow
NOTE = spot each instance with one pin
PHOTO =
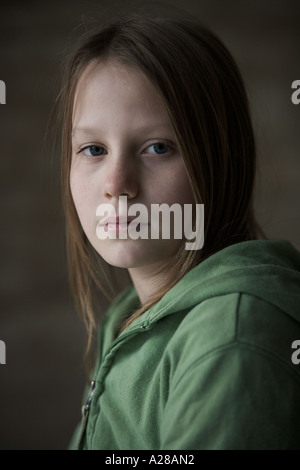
(83, 130)
(92, 130)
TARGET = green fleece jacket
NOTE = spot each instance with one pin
(212, 365)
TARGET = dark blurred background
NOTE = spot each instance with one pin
(41, 384)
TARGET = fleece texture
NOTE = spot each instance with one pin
(207, 367)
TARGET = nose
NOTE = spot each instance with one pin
(121, 179)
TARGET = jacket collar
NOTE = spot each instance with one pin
(269, 270)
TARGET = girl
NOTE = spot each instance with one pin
(197, 352)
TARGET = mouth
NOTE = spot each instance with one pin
(116, 220)
(123, 226)
(117, 224)
(117, 227)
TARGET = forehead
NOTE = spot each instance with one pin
(111, 90)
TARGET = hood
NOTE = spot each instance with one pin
(269, 270)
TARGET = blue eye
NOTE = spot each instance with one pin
(159, 148)
(93, 151)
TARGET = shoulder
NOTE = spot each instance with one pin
(231, 368)
(238, 325)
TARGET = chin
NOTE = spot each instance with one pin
(132, 254)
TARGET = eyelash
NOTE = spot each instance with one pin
(89, 147)
(168, 147)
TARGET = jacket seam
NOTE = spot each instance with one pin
(244, 345)
(183, 294)
(237, 309)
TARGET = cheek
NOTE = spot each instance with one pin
(76, 188)
(179, 186)
(82, 198)
(186, 190)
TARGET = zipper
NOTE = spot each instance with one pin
(86, 408)
(85, 414)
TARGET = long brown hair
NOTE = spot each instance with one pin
(203, 92)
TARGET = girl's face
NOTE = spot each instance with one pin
(124, 145)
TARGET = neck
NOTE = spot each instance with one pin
(151, 279)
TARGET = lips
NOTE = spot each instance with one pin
(123, 225)
(116, 228)
(116, 224)
(116, 220)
